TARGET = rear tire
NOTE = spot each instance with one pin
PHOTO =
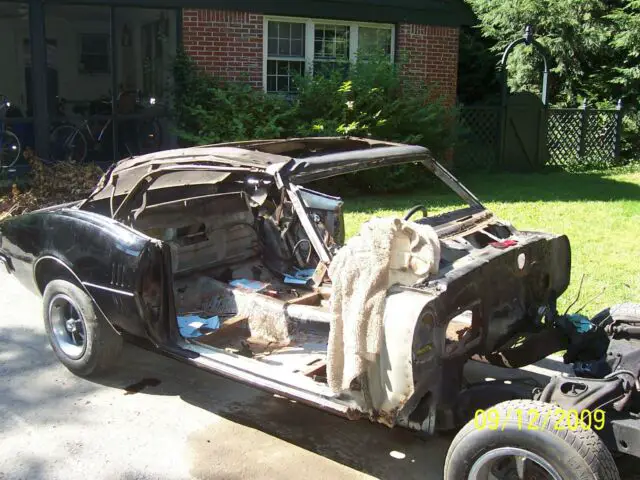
(551, 450)
(10, 149)
(67, 144)
(80, 337)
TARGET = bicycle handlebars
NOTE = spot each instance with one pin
(4, 101)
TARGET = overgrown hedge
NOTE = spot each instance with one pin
(371, 100)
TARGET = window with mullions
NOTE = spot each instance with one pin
(95, 53)
(331, 47)
(285, 55)
(373, 41)
(298, 47)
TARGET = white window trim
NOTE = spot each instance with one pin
(310, 36)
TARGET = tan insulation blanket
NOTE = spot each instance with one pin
(385, 252)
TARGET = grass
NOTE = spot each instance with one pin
(599, 212)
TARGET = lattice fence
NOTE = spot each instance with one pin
(583, 136)
(479, 136)
(575, 136)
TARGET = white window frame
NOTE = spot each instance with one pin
(309, 45)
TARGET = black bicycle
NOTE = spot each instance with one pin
(71, 142)
(10, 146)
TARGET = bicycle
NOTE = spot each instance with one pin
(71, 142)
(10, 146)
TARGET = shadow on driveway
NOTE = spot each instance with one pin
(360, 445)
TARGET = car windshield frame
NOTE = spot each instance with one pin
(292, 182)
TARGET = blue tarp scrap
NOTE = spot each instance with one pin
(300, 277)
(191, 326)
(582, 323)
(249, 284)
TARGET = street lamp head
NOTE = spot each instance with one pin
(528, 34)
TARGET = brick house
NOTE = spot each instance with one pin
(107, 52)
(266, 43)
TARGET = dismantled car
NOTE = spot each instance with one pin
(221, 257)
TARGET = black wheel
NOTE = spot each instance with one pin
(81, 339)
(67, 144)
(9, 149)
(532, 441)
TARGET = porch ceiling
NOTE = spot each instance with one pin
(428, 12)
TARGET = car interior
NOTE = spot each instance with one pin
(240, 255)
(246, 279)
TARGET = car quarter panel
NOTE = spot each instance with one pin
(102, 254)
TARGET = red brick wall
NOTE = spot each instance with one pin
(226, 44)
(430, 54)
(229, 45)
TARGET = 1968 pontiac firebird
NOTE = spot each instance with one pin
(214, 232)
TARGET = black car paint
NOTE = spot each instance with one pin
(103, 256)
(498, 313)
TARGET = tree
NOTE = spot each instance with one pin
(626, 43)
(576, 33)
(594, 48)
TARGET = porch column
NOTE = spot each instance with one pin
(39, 77)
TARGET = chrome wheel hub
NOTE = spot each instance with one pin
(510, 463)
(67, 326)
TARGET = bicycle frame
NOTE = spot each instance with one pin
(97, 140)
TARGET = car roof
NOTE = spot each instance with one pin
(259, 154)
(297, 159)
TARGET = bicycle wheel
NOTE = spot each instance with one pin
(9, 149)
(149, 135)
(67, 144)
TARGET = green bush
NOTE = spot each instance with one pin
(368, 99)
(374, 100)
(208, 110)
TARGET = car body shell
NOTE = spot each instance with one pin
(417, 379)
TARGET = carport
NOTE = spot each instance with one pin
(97, 65)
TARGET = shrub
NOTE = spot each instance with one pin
(368, 99)
(375, 100)
(208, 110)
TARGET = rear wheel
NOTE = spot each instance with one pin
(80, 337)
(9, 149)
(67, 144)
(532, 441)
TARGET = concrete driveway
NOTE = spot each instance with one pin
(157, 418)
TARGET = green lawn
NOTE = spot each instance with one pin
(600, 213)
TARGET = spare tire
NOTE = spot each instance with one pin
(529, 442)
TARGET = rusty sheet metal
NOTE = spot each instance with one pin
(390, 381)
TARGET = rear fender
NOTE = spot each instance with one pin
(105, 257)
(48, 268)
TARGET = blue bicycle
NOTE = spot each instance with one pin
(9, 143)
